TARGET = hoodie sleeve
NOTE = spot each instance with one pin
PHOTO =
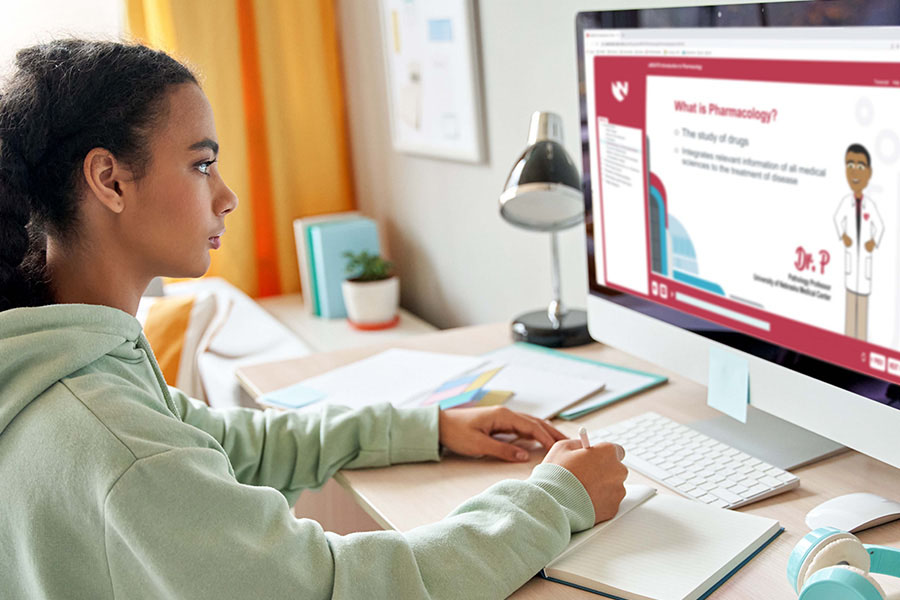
(178, 525)
(292, 451)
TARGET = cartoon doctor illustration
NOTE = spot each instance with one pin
(859, 226)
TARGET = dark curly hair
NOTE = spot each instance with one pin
(65, 98)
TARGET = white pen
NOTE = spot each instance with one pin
(585, 442)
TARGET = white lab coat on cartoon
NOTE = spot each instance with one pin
(858, 260)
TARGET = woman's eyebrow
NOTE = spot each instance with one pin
(205, 143)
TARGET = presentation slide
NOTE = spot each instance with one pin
(760, 196)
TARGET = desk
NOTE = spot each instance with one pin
(385, 493)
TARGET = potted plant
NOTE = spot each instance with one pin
(371, 293)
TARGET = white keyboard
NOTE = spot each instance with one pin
(693, 464)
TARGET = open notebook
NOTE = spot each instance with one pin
(661, 547)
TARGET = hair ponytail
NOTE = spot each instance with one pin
(15, 214)
(65, 98)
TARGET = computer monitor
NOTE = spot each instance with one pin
(741, 170)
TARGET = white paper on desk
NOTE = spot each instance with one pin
(529, 356)
(393, 376)
(540, 393)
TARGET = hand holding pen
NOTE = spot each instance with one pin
(599, 468)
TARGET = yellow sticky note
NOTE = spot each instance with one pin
(482, 379)
(493, 398)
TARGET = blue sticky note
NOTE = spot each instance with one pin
(463, 398)
(729, 383)
(464, 380)
(293, 396)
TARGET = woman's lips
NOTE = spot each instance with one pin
(215, 242)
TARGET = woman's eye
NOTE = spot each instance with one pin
(205, 166)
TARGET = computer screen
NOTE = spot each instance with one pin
(742, 183)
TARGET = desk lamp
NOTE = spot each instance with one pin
(543, 193)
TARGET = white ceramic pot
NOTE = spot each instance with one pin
(372, 304)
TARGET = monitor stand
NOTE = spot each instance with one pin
(769, 439)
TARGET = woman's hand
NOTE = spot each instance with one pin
(598, 468)
(468, 431)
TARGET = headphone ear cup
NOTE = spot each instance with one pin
(822, 548)
(870, 579)
(839, 552)
(844, 582)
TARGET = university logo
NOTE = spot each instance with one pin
(619, 90)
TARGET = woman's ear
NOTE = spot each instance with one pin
(103, 174)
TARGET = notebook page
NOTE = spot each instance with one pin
(670, 548)
(635, 495)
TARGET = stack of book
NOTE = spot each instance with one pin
(321, 243)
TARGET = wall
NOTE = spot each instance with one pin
(24, 23)
(459, 262)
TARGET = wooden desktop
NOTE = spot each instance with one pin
(385, 494)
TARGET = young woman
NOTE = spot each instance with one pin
(115, 485)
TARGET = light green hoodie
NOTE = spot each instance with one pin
(115, 486)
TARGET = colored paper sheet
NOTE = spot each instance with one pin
(483, 379)
(454, 392)
(442, 394)
(463, 398)
(729, 383)
(488, 398)
(293, 396)
(492, 397)
(459, 382)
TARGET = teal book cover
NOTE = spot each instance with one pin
(328, 243)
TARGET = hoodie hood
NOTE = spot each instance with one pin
(40, 346)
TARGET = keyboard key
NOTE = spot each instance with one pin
(769, 481)
(757, 489)
(645, 467)
(726, 495)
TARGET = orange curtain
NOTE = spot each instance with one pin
(271, 70)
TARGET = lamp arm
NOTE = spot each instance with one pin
(557, 310)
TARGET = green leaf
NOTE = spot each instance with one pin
(363, 266)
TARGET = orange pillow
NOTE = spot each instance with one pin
(180, 329)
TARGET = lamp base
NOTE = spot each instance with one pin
(535, 328)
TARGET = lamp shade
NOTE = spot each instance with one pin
(543, 193)
(543, 190)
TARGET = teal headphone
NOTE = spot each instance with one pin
(829, 563)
